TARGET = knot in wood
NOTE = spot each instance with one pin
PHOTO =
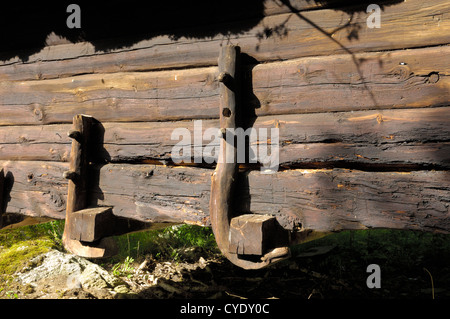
(402, 72)
(433, 77)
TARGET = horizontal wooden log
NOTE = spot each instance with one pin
(398, 79)
(403, 138)
(284, 36)
(36, 189)
(323, 200)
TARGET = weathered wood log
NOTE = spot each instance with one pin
(398, 79)
(280, 37)
(323, 200)
(38, 189)
(386, 139)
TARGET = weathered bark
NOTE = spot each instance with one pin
(398, 79)
(284, 36)
(323, 200)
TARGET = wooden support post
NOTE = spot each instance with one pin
(74, 239)
(225, 175)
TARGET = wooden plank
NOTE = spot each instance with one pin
(407, 137)
(322, 200)
(398, 79)
(407, 24)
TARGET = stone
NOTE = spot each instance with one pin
(122, 289)
(68, 271)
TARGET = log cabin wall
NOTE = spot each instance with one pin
(364, 114)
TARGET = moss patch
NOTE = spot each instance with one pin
(18, 246)
(15, 257)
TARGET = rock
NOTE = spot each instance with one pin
(94, 276)
(73, 281)
(202, 262)
(51, 264)
(66, 271)
(190, 254)
(121, 289)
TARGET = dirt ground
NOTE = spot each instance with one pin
(202, 275)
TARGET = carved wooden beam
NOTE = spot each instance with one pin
(79, 236)
(223, 183)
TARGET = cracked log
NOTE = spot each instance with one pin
(319, 199)
(395, 79)
(287, 34)
(385, 139)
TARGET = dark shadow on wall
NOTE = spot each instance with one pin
(25, 28)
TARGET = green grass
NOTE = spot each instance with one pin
(17, 246)
(388, 246)
(408, 259)
(165, 243)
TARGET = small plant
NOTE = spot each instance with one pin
(56, 229)
(123, 268)
(12, 295)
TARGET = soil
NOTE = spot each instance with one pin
(205, 275)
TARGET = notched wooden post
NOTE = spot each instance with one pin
(82, 235)
(247, 240)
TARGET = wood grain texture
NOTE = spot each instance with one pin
(383, 138)
(287, 35)
(322, 200)
(397, 79)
